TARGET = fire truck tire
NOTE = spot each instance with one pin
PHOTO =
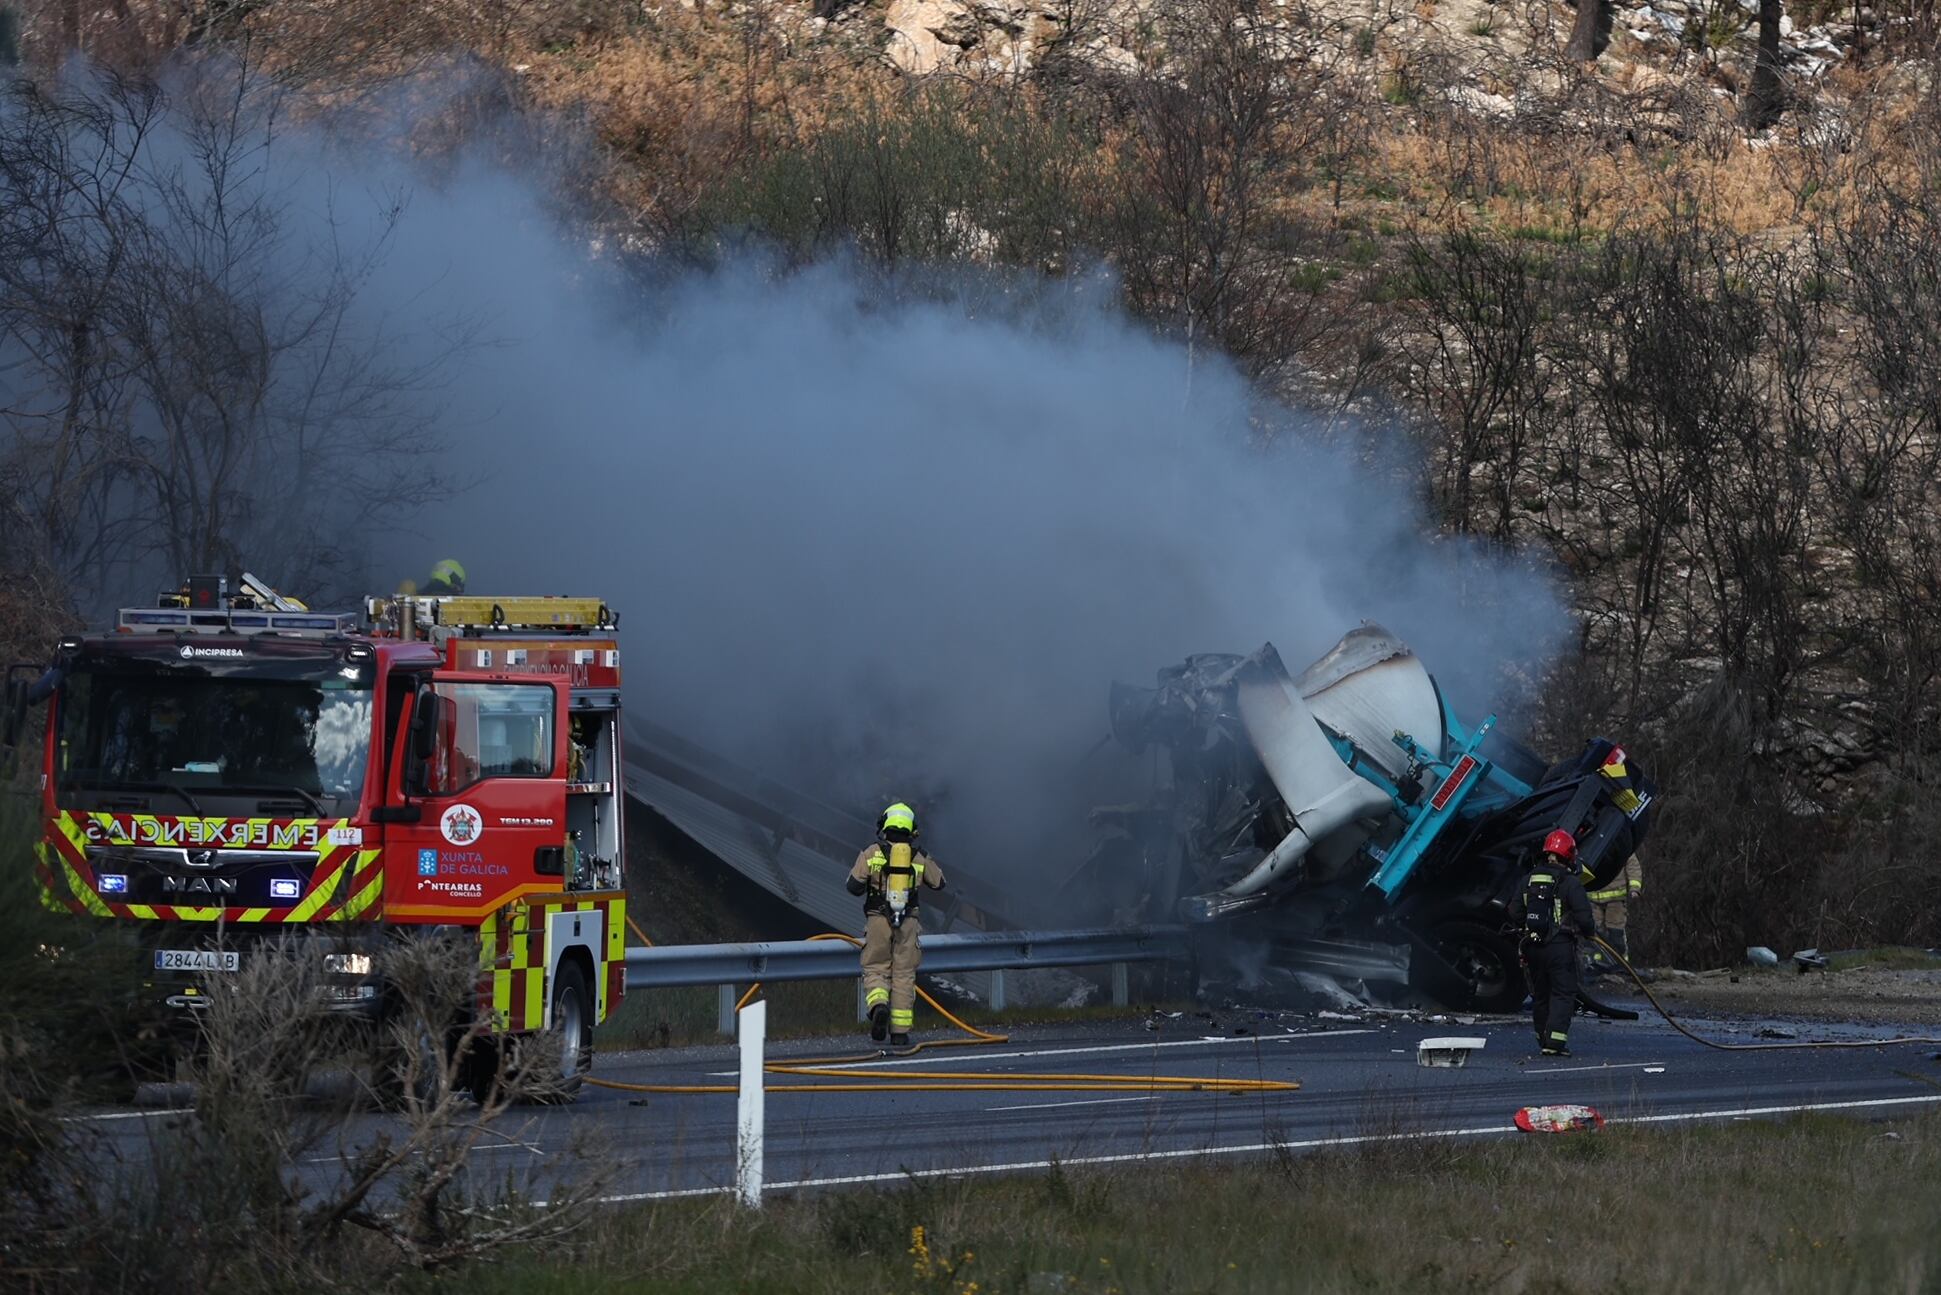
(544, 1068)
(573, 1029)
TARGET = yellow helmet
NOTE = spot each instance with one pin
(898, 817)
(450, 571)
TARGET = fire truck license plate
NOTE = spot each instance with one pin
(194, 960)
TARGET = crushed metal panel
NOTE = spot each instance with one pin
(815, 879)
(1322, 794)
(1368, 687)
(792, 844)
(1343, 959)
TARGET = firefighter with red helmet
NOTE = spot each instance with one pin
(889, 874)
(1556, 914)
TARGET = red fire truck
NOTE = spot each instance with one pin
(230, 765)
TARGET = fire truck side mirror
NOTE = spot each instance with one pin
(427, 718)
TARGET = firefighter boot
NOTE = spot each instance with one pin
(879, 1021)
(899, 1040)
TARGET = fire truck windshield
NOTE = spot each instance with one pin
(206, 738)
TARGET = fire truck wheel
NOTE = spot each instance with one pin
(543, 1068)
(573, 1031)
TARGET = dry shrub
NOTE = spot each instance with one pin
(279, 1178)
(686, 97)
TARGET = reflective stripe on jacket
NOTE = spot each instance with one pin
(1628, 884)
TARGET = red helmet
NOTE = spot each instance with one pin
(1562, 844)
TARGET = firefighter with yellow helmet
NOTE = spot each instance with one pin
(447, 577)
(890, 874)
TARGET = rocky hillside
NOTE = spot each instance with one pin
(1636, 317)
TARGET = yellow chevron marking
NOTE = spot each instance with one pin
(76, 835)
(319, 896)
(365, 897)
(84, 892)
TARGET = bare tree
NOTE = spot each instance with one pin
(1589, 32)
(1767, 97)
(1476, 360)
(186, 375)
(1232, 99)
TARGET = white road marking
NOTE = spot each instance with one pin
(957, 1057)
(1479, 1130)
(1090, 1101)
(340, 1157)
(133, 1115)
(1571, 1070)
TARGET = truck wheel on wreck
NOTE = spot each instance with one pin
(1482, 971)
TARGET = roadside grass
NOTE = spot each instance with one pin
(1811, 1205)
(1893, 958)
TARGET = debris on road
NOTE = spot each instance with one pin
(1559, 1119)
(1452, 1051)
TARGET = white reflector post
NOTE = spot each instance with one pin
(753, 1030)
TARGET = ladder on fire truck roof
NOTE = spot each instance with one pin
(422, 616)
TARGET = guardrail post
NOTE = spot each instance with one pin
(997, 990)
(1121, 992)
(862, 1001)
(724, 1016)
(749, 1116)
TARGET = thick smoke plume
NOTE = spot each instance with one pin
(882, 536)
(881, 542)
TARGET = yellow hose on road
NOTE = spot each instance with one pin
(1749, 1047)
(879, 1081)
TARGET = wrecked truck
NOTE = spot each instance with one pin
(1345, 823)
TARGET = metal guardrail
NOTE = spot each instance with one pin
(714, 964)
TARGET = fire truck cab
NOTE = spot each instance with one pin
(225, 768)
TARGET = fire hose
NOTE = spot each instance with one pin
(1749, 1047)
(971, 1081)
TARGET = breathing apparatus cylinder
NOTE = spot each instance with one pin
(898, 874)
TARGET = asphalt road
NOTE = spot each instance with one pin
(1359, 1080)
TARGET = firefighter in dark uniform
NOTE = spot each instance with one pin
(1556, 914)
(889, 874)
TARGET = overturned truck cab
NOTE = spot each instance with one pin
(1345, 821)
